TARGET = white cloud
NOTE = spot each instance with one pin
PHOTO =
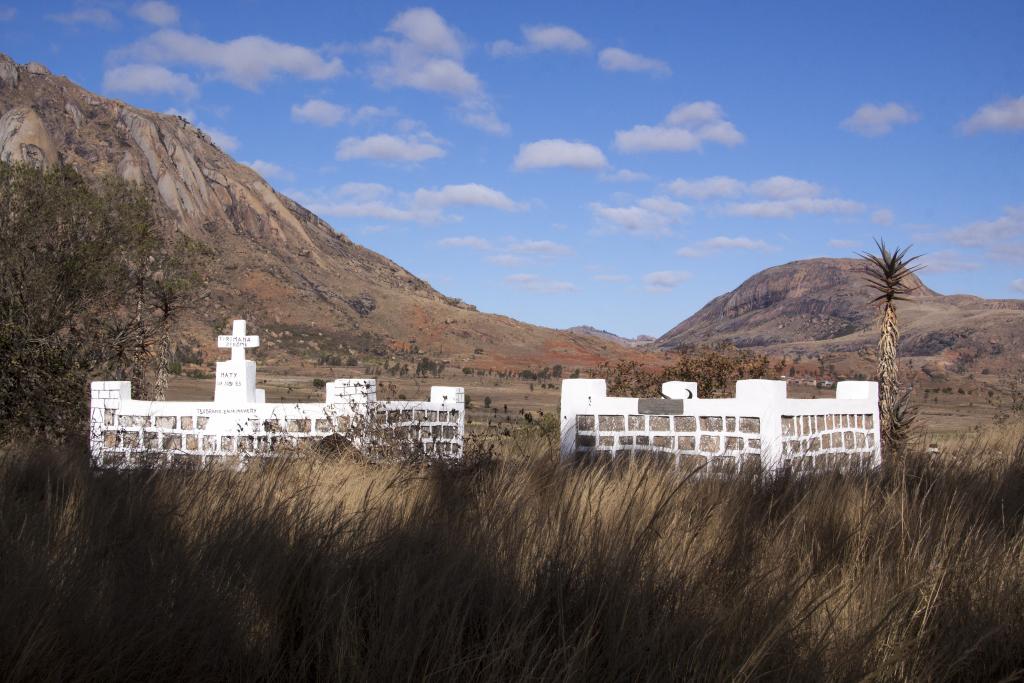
(469, 194)
(649, 216)
(556, 152)
(535, 283)
(542, 39)
(685, 129)
(94, 16)
(324, 113)
(512, 254)
(247, 62)
(694, 113)
(1008, 252)
(269, 170)
(874, 120)
(786, 197)
(706, 188)
(363, 192)
(469, 241)
(990, 233)
(385, 147)
(624, 175)
(148, 78)
(225, 141)
(427, 55)
(882, 217)
(369, 112)
(720, 243)
(320, 112)
(775, 187)
(543, 248)
(844, 244)
(606, 277)
(784, 187)
(948, 261)
(360, 200)
(373, 200)
(1018, 284)
(617, 59)
(656, 139)
(157, 12)
(555, 38)
(665, 280)
(8, 13)
(1004, 115)
(507, 260)
(787, 208)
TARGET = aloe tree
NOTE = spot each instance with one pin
(890, 273)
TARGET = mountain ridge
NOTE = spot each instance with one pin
(309, 287)
(824, 305)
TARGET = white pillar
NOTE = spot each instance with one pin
(578, 396)
(236, 378)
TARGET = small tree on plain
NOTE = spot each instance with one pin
(890, 273)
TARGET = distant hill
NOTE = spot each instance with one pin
(587, 330)
(306, 288)
(823, 304)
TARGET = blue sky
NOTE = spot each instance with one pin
(617, 165)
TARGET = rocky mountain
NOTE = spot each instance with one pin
(823, 304)
(305, 287)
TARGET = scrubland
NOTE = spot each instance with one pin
(511, 568)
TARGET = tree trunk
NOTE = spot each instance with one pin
(888, 378)
(163, 360)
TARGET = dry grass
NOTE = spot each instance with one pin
(517, 569)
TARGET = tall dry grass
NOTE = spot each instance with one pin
(520, 569)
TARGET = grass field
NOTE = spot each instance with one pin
(512, 568)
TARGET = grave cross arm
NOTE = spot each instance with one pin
(238, 341)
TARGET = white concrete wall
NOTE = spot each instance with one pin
(125, 432)
(760, 424)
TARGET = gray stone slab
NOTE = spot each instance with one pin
(660, 406)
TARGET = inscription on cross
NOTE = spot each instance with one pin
(236, 378)
(238, 341)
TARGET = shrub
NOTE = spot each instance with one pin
(714, 369)
(87, 286)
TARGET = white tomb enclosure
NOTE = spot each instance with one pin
(759, 426)
(239, 424)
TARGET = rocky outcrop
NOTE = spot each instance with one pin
(272, 259)
(23, 137)
(8, 72)
(825, 305)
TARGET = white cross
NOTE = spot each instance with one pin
(237, 341)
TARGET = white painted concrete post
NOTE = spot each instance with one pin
(449, 396)
(236, 378)
(578, 397)
(765, 398)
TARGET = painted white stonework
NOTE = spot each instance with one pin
(236, 378)
(240, 424)
(760, 424)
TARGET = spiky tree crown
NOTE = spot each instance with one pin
(888, 272)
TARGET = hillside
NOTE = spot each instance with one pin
(308, 289)
(821, 305)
